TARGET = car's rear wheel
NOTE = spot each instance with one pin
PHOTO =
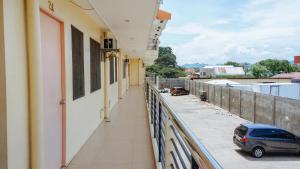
(258, 152)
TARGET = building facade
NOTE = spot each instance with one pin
(58, 79)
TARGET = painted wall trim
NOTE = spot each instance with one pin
(3, 109)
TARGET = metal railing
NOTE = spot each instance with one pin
(178, 147)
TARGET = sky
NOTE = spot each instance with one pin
(216, 31)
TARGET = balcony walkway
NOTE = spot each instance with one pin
(123, 143)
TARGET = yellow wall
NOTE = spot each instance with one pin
(16, 83)
(137, 72)
(134, 72)
(83, 114)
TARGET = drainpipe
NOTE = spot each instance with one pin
(35, 84)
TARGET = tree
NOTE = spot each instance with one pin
(165, 65)
(277, 66)
(259, 71)
(169, 72)
(166, 57)
(235, 64)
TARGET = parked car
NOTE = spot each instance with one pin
(178, 91)
(259, 139)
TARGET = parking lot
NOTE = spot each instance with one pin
(214, 127)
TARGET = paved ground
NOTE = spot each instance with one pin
(123, 143)
(214, 127)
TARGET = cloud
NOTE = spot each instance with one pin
(264, 29)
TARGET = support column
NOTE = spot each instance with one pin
(106, 86)
(127, 75)
(35, 85)
(120, 74)
(3, 110)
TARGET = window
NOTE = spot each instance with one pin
(111, 69)
(261, 133)
(124, 69)
(116, 69)
(95, 65)
(77, 63)
(281, 134)
(242, 130)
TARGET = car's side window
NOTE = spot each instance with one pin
(284, 135)
(260, 133)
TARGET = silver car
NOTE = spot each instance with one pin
(259, 139)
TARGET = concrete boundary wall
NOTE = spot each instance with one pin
(225, 98)
(211, 93)
(265, 109)
(247, 105)
(235, 101)
(287, 114)
(256, 107)
(218, 96)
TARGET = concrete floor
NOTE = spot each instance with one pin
(122, 143)
(214, 127)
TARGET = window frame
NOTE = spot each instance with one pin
(124, 69)
(95, 57)
(116, 69)
(111, 70)
(78, 78)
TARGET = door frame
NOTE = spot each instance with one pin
(63, 84)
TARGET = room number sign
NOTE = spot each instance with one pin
(51, 6)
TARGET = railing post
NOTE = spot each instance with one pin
(168, 145)
(160, 122)
(151, 106)
(155, 116)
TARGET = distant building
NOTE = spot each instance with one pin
(190, 70)
(297, 60)
(213, 71)
(289, 90)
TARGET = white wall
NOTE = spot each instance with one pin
(83, 114)
(16, 84)
(113, 95)
(124, 84)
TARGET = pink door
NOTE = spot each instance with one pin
(51, 53)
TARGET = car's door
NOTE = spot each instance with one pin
(272, 141)
(288, 141)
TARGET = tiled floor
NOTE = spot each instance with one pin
(123, 143)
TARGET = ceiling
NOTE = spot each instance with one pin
(130, 21)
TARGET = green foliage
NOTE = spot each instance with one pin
(169, 72)
(235, 64)
(258, 71)
(165, 65)
(166, 58)
(277, 66)
(153, 68)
